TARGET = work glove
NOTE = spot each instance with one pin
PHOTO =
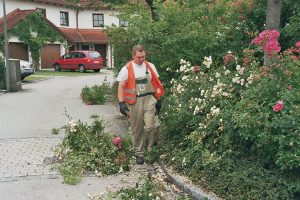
(123, 108)
(158, 106)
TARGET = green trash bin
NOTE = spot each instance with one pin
(2, 76)
(14, 75)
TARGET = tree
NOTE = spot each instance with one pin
(273, 14)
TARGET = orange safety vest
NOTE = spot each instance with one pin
(130, 89)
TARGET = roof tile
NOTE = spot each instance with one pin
(85, 35)
(14, 18)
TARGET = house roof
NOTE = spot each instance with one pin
(85, 35)
(97, 4)
(71, 34)
(81, 4)
(16, 16)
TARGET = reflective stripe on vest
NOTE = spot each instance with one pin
(130, 91)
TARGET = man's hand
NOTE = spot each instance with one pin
(123, 108)
(158, 106)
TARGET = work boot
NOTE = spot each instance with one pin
(139, 160)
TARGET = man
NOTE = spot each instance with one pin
(140, 88)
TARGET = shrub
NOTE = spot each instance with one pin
(237, 110)
(87, 148)
(96, 94)
(207, 28)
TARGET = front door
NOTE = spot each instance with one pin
(101, 48)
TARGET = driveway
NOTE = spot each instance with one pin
(40, 106)
(26, 120)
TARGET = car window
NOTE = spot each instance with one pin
(82, 55)
(94, 54)
(67, 56)
(76, 55)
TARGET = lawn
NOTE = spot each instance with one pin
(44, 74)
(63, 73)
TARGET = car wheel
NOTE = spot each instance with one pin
(81, 69)
(96, 70)
(57, 68)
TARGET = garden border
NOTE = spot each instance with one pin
(194, 192)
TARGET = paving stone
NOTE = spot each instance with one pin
(25, 157)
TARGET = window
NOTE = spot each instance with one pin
(85, 47)
(98, 20)
(42, 11)
(82, 55)
(94, 54)
(64, 18)
(76, 55)
(67, 56)
(123, 23)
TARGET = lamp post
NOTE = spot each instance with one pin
(6, 50)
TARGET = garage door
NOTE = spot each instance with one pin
(18, 51)
(49, 53)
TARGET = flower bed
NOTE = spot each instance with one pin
(238, 122)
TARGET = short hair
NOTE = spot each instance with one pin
(138, 48)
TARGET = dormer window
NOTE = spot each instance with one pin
(64, 18)
(98, 20)
(123, 23)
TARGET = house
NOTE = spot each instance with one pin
(82, 25)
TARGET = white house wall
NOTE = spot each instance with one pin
(85, 18)
(14, 39)
(52, 12)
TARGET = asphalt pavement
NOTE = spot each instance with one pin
(26, 142)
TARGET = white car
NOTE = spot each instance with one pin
(26, 68)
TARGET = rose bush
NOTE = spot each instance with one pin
(237, 109)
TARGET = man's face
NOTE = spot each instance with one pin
(139, 57)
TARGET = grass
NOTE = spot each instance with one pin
(63, 73)
(44, 74)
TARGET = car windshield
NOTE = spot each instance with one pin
(94, 54)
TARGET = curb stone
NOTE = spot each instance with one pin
(194, 192)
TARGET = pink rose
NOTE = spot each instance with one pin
(279, 106)
(196, 69)
(298, 44)
(290, 87)
(118, 142)
(228, 58)
(89, 103)
(268, 41)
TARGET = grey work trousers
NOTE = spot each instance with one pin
(144, 124)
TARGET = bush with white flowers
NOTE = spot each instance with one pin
(238, 108)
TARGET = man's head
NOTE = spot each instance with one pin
(138, 54)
